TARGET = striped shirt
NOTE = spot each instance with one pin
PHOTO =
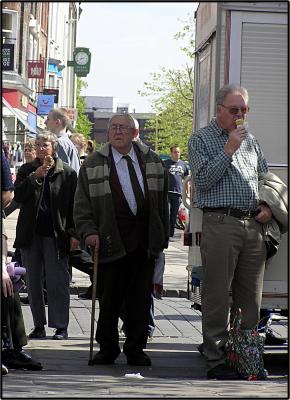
(222, 180)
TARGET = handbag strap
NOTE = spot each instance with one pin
(236, 324)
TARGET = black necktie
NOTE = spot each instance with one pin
(139, 197)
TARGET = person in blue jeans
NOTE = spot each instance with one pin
(177, 171)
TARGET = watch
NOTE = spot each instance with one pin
(81, 58)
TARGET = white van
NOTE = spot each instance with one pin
(246, 44)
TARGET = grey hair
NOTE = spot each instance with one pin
(129, 117)
(227, 89)
(47, 136)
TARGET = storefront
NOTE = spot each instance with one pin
(16, 130)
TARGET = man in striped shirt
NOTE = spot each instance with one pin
(226, 162)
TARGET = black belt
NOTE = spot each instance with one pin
(233, 212)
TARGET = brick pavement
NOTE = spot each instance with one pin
(177, 368)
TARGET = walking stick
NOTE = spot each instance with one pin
(94, 293)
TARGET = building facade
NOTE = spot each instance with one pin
(100, 109)
(62, 28)
(38, 39)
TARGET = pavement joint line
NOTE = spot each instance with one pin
(75, 316)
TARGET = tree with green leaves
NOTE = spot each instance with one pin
(171, 94)
(83, 124)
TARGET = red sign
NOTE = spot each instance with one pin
(36, 69)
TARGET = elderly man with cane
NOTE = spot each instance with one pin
(121, 209)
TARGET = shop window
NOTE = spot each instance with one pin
(51, 81)
(9, 26)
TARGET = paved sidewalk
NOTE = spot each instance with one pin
(178, 370)
(175, 277)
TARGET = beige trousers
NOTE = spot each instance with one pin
(233, 255)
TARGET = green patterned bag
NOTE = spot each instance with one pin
(244, 350)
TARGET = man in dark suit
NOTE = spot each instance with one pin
(121, 208)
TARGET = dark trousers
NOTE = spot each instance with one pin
(174, 200)
(13, 330)
(126, 281)
(151, 324)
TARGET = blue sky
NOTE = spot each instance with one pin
(128, 41)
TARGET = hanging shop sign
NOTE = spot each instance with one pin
(31, 119)
(7, 57)
(52, 92)
(36, 69)
(44, 104)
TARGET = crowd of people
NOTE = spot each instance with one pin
(123, 201)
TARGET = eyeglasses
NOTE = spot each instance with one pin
(123, 128)
(42, 145)
(235, 110)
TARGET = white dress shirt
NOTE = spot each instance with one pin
(124, 177)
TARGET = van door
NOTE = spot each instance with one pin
(259, 62)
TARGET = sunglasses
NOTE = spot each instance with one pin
(235, 110)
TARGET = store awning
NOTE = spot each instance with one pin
(14, 111)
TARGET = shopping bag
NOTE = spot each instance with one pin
(16, 272)
(244, 350)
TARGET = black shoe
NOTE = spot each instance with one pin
(37, 333)
(139, 359)
(60, 334)
(271, 339)
(4, 370)
(20, 360)
(200, 348)
(222, 372)
(86, 295)
(104, 358)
